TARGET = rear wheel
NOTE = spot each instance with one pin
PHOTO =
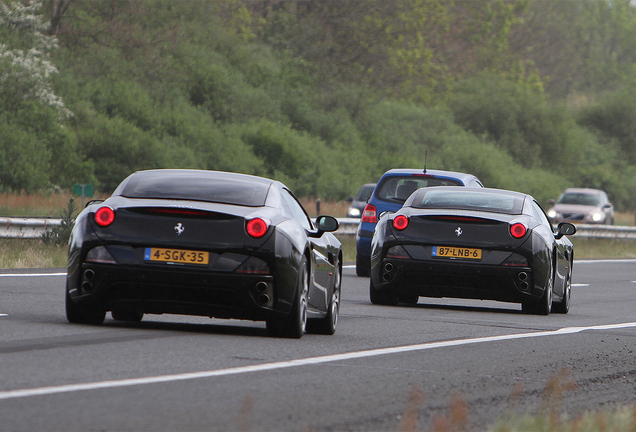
(327, 325)
(381, 297)
(564, 305)
(294, 324)
(544, 306)
(126, 315)
(363, 265)
(83, 313)
(411, 299)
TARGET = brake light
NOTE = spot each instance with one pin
(370, 214)
(257, 227)
(104, 216)
(400, 222)
(518, 230)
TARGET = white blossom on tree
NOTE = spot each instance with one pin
(32, 67)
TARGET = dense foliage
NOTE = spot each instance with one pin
(324, 95)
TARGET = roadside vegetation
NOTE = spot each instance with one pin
(324, 95)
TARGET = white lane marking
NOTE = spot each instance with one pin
(580, 285)
(40, 391)
(3, 315)
(30, 274)
(592, 261)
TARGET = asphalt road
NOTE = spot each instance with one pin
(386, 368)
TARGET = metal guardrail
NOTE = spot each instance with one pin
(19, 227)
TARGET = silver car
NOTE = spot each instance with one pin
(587, 206)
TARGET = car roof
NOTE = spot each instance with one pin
(438, 173)
(204, 173)
(583, 190)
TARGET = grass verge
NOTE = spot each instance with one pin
(31, 253)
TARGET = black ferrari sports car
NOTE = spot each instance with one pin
(205, 243)
(472, 243)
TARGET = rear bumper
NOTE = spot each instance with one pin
(456, 279)
(159, 290)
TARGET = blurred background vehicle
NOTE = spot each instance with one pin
(582, 205)
(394, 187)
(359, 201)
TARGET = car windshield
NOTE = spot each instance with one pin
(364, 193)
(493, 202)
(398, 189)
(196, 187)
(579, 198)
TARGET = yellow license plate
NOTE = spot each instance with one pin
(454, 252)
(179, 256)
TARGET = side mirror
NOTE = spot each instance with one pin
(565, 228)
(350, 199)
(327, 224)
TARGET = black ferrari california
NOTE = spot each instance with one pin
(205, 243)
(485, 244)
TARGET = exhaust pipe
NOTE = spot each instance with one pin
(523, 276)
(89, 275)
(87, 287)
(387, 277)
(523, 286)
(261, 287)
(388, 267)
(263, 299)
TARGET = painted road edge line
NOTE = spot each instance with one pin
(40, 391)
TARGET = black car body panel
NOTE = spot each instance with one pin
(488, 262)
(195, 257)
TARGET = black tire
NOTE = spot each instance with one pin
(83, 313)
(564, 305)
(411, 299)
(544, 306)
(126, 315)
(384, 298)
(327, 325)
(293, 325)
(363, 265)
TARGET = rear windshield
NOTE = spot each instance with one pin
(398, 189)
(190, 186)
(579, 198)
(364, 193)
(468, 200)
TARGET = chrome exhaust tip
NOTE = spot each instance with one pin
(263, 299)
(89, 275)
(388, 267)
(87, 287)
(523, 276)
(261, 287)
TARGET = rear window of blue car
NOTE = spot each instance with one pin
(186, 186)
(399, 188)
(495, 202)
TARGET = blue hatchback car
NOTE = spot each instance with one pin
(394, 187)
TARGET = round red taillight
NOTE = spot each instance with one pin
(518, 230)
(104, 216)
(257, 227)
(400, 222)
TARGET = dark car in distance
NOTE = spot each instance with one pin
(484, 244)
(205, 243)
(359, 201)
(393, 188)
(582, 205)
